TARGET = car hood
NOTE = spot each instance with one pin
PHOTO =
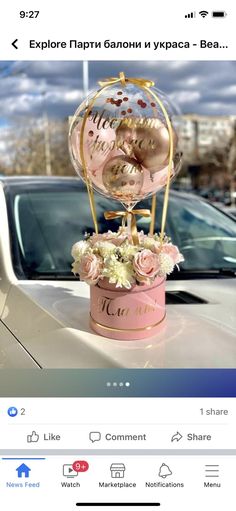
(51, 321)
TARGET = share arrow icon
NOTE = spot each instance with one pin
(176, 437)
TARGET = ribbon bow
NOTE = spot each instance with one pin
(126, 216)
(140, 82)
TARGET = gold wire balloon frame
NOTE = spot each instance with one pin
(146, 86)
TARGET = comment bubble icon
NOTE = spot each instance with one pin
(95, 436)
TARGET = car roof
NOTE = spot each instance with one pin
(22, 181)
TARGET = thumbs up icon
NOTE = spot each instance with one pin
(34, 437)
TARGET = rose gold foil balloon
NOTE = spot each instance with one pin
(96, 174)
(124, 138)
(153, 146)
(123, 178)
(149, 143)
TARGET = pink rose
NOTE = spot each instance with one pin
(146, 266)
(107, 236)
(119, 240)
(173, 252)
(89, 268)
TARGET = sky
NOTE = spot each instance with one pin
(29, 88)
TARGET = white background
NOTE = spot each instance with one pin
(186, 470)
(158, 418)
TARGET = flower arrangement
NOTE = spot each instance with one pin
(124, 145)
(113, 256)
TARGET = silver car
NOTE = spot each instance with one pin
(44, 309)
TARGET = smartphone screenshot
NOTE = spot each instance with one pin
(117, 256)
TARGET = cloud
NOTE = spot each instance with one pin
(228, 92)
(185, 97)
(30, 88)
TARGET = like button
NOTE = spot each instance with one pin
(34, 437)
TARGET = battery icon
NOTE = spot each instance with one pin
(219, 14)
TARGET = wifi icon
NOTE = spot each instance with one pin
(203, 14)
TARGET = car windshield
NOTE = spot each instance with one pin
(47, 221)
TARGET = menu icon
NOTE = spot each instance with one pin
(212, 470)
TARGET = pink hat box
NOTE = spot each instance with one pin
(125, 314)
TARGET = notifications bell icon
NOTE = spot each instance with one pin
(164, 471)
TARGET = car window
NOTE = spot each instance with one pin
(47, 223)
(205, 236)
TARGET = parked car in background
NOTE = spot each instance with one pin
(44, 309)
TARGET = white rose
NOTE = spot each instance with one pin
(79, 249)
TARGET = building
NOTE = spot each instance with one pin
(208, 144)
(200, 135)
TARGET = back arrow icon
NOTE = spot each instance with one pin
(14, 44)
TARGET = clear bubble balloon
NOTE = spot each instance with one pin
(120, 142)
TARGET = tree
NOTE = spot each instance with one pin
(28, 151)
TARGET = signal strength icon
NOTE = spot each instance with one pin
(191, 15)
(203, 14)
